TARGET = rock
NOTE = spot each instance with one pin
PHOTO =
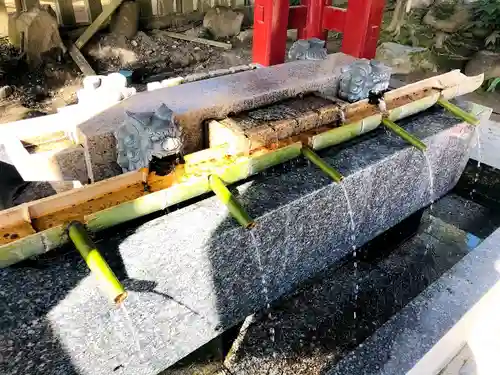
(405, 59)
(146, 41)
(197, 32)
(125, 21)
(421, 4)
(245, 36)
(199, 55)
(486, 62)
(5, 92)
(223, 22)
(41, 33)
(480, 32)
(49, 10)
(180, 58)
(4, 20)
(452, 22)
(291, 34)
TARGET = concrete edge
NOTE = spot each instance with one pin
(424, 336)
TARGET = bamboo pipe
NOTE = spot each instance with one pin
(321, 164)
(458, 112)
(404, 134)
(234, 207)
(96, 263)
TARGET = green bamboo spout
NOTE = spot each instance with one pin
(458, 112)
(96, 263)
(234, 207)
(404, 134)
(321, 164)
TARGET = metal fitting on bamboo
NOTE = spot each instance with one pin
(96, 263)
(321, 164)
(234, 207)
(404, 134)
(458, 112)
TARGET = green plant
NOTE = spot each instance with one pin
(492, 84)
(487, 14)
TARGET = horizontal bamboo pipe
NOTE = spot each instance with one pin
(321, 164)
(458, 112)
(234, 207)
(96, 263)
(404, 134)
(43, 241)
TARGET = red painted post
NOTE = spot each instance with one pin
(373, 30)
(356, 26)
(269, 33)
(314, 20)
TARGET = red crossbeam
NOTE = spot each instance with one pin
(360, 24)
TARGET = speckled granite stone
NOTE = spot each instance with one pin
(398, 345)
(194, 272)
(211, 98)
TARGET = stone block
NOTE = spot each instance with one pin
(194, 272)
(307, 121)
(63, 162)
(261, 136)
(101, 156)
(40, 30)
(284, 128)
(227, 132)
(71, 163)
(328, 114)
(199, 101)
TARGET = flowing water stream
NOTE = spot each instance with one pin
(263, 280)
(354, 252)
(431, 193)
(476, 176)
(129, 325)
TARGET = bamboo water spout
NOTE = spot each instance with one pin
(321, 164)
(404, 134)
(234, 207)
(96, 263)
(458, 112)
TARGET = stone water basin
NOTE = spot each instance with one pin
(192, 273)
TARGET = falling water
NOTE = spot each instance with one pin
(263, 281)
(476, 177)
(431, 194)
(431, 178)
(354, 252)
(130, 327)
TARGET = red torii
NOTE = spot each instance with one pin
(360, 24)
